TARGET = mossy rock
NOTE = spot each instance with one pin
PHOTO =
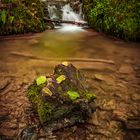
(63, 98)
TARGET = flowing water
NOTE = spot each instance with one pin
(69, 14)
(115, 80)
(53, 12)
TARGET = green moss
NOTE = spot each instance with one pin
(44, 111)
(33, 93)
(90, 96)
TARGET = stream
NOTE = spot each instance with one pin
(111, 67)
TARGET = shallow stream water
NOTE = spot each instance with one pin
(111, 67)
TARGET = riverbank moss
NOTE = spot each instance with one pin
(21, 16)
(118, 18)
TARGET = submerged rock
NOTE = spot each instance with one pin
(28, 133)
(62, 99)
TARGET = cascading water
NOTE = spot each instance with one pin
(69, 15)
(53, 12)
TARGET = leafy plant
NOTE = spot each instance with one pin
(119, 18)
(11, 18)
(3, 16)
(23, 17)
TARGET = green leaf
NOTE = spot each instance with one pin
(60, 79)
(41, 80)
(3, 16)
(47, 91)
(11, 18)
(73, 95)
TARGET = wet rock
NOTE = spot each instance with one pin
(11, 124)
(133, 123)
(107, 104)
(109, 80)
(28, 133)
(4, 115)
(4, 83)
(8, 132)
(62, 99)
(135, 97)
(5, 138)
(126, 69)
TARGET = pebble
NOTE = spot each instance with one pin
(126, 69)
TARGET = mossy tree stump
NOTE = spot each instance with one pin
(62, 99)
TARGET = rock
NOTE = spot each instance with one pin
(4, 115)
(28, 133)
(133, 124)
(8, 132)
(107, 104)
(126, 69)
(94, 119)
(4, 83)
(62, 99)
(11, 124)
(109, 80)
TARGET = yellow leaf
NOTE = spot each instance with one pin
(47, 91)
(60, 79)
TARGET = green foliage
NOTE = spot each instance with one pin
(119, 18)
(3, 16)
(41, 80)
(60, 79)
(23, 17)
(73, 95)
(11, 19)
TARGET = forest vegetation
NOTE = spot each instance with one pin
(120, 18)
(21, 16)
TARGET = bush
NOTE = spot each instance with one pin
(120, 18)
(21, 16)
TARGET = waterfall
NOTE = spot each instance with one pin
(53, 12)
(69, 15)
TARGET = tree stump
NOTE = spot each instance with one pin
(62, 99)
